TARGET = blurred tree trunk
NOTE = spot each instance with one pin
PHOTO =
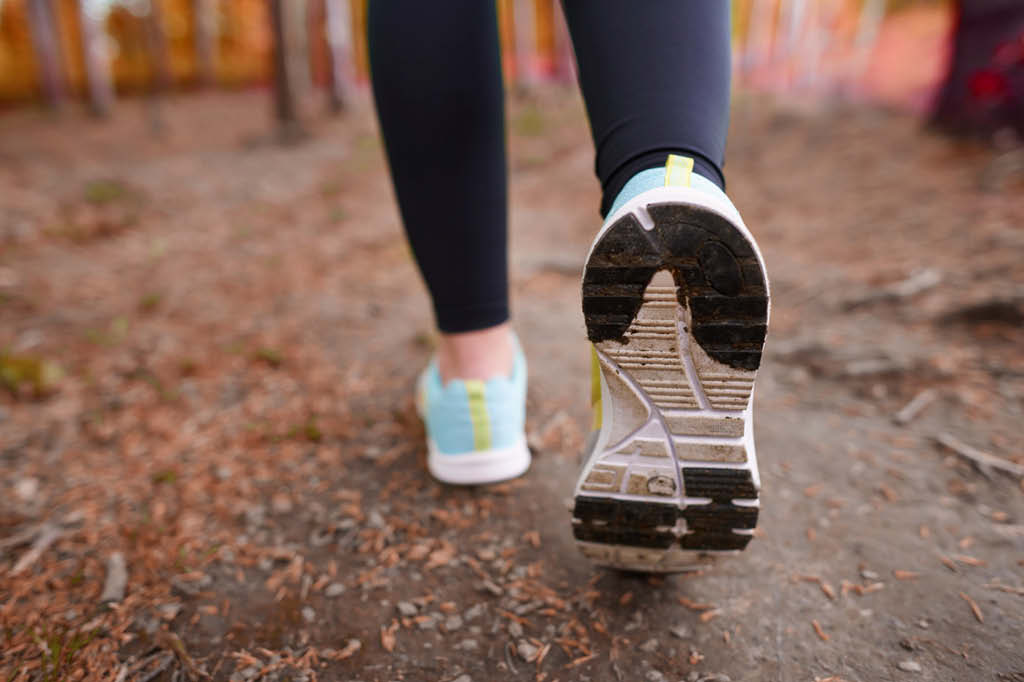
(338, 24)
(984, 87)
(160, 63)
(156, 43)
(44, 42)
(96, 59)
(205, 30)
(289, 56)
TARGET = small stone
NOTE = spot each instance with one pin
(467, 645)
(910, 666)
(923, 624)
(26, 488)
(474, 612)
(334, 590)
(655, 676)
(454, 622)
(169, 611)
(463, 678)
(650, 646)
(868, 575)
(308, 614)
(681, 631)
(527, 651)
(490, 587)
(515, 629)
(249, 672)
(406, 608)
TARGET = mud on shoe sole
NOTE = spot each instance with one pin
(676, 304)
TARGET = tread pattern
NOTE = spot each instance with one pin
(711, 526)
(622, 522)
(716, 269)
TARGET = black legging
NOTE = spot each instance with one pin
(655, 79)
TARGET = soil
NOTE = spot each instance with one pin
(209, 343)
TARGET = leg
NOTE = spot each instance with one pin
(655, 77)
(675, 297)
(438, 90)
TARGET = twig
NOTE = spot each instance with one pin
(1009, 589)
(983, 461)
(508, 659)
(916, 283)
(117, 579)
(915, 407)
(162, 666)
(47, 536)
(975, 609)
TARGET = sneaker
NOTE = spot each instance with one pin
(675, 298)
(475, 429)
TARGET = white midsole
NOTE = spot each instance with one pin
(478, 468)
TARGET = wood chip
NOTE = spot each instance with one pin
(827, 589)
(116, 580)
(580, 661)
(350, 650)
(969, 560)
(695, 606)
(708, 615)
(821, 633)
(905, 575)
(387, 636)
(975, 609)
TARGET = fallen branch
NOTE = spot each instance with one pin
(983, 461)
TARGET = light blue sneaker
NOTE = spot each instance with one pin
(475, 429)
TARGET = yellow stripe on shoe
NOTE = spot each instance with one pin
(595, 389)
(678, 170)
(478, 414)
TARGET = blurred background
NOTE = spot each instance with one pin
(958, 62)
(210, 465)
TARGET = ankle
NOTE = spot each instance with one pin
(481, 354)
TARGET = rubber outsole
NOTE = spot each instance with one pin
(676, 304)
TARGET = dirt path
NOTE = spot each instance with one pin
(239, 325)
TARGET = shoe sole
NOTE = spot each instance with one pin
(676, 305)
(479, 468)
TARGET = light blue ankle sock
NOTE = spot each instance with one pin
(655, 177)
